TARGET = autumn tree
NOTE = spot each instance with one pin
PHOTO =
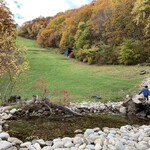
(120, 24)
(30, 29)
(12, 59)
(83, 36)
(54, 32)
(141, 12)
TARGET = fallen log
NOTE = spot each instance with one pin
(65, 109)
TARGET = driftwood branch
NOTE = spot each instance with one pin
(53, 105)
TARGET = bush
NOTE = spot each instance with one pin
(88, 55)
(107, 54)
(130, 52)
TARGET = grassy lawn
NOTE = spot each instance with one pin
(81, 80)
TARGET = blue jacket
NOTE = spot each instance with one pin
(145, 92)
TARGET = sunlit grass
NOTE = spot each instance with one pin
(81, 80)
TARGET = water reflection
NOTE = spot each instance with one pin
(49, 128)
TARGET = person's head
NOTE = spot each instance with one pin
(146, 86)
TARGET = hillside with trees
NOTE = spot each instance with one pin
(102, 32)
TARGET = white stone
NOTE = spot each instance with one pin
(66, 139)
(141, 146)
(68, 144)
(128, 147)
(82, 147)
(123, 110)
(73, 148)
(98, 146)
(88, 132)
(47, 148)
(14, 140)
(4, 145)
(25, 144)
(37, 146)
(4, 135)
(40, 141)
(31, 147)
(119, 145)
(12, 148)
(77, 140)
(12, 111)
(58, 144)
(91, 147)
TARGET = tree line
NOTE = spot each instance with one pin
(102, 32)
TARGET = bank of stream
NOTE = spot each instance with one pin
(49, 128)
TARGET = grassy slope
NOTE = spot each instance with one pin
(81, 80)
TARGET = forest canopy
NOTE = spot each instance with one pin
(102, 32)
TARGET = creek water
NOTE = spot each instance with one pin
(48, 128)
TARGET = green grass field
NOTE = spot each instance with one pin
(81, 80)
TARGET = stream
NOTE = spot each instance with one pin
(49, 128)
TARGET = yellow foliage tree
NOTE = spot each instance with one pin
(12, 59)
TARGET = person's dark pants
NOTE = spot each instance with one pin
(146, 97)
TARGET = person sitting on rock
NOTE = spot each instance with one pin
(145, 92)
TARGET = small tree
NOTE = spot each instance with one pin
(12, 59)
(129, 52)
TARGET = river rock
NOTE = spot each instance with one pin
(58, 144)
(98, 146)
(66, 139)
(88, 132)
(25, 144)
(12, 111)
(68, 144)
(12, 148)
(47, 148)
(4, 145)
(37, 146)
(77, 140)
(14, 140)
(48, 143)
(4, 135)
(83, 146)
(31, 147)
(40, 141)
(91, 147)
